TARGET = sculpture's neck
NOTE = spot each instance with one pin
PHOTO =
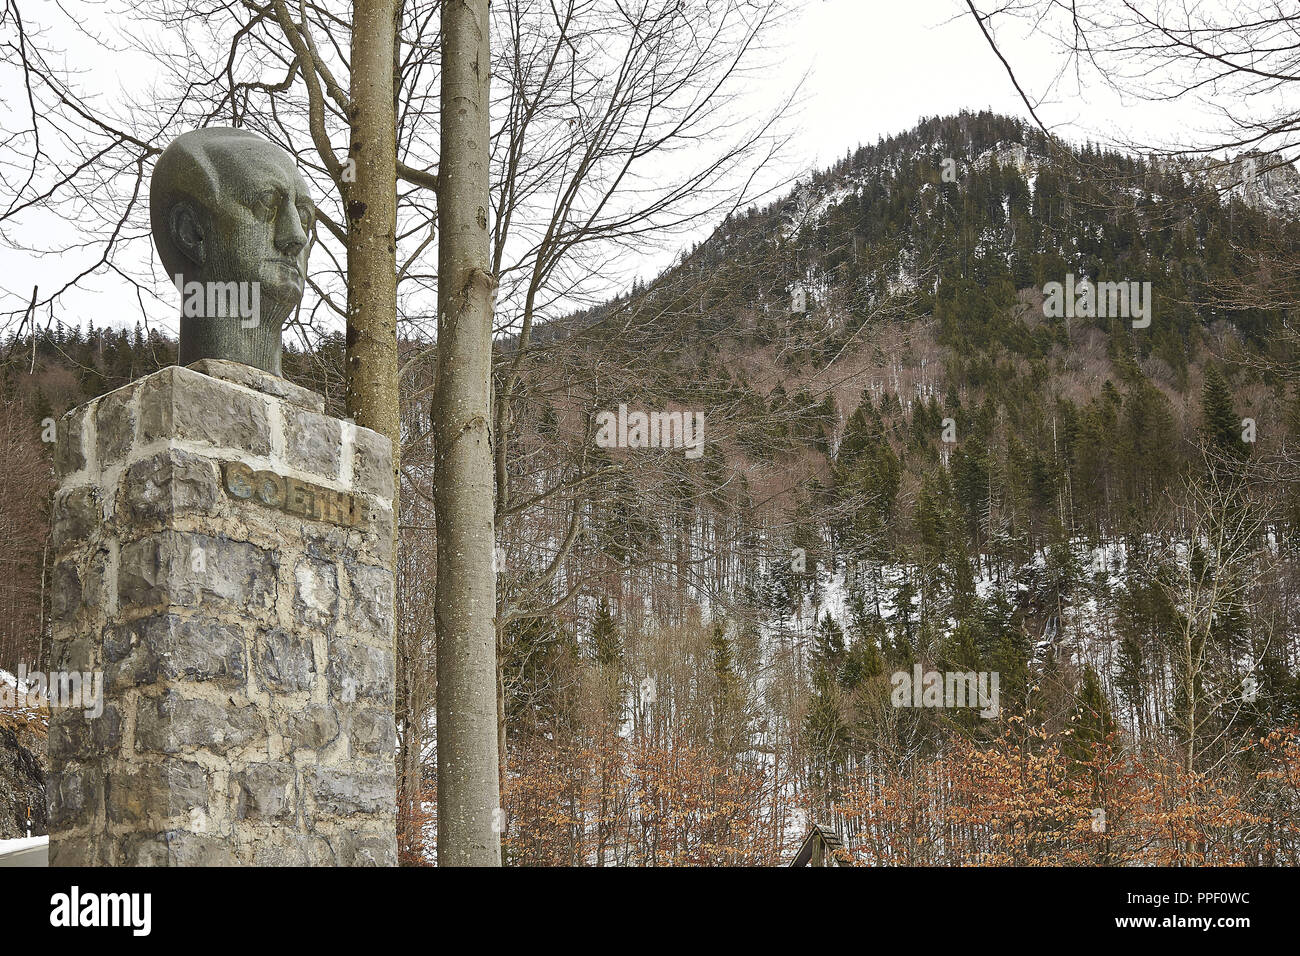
(236, 340)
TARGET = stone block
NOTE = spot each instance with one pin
(360, 672)
(73, 733)
(75, 795)
(70, 449)
(285, 661)
(78, 513)
(311, 728)
(168, 647)
(266, 791)
(180, 404)
(179, 569)
(115, 420)
(260, 381)
(372, 463)
(85, 850)
(176, 848)
(79, 652)
(175, 724)
(313, 442)
(293, 849)
(149, 793)
(316, 594)
(370, 599)
(361, 849)
(344, 792)
(372, 731)
(168, 484)
(66, 599)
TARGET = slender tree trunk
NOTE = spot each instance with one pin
(501, 719)
(372, 398)
(371, 206)
(465, 603)
(1189, 675)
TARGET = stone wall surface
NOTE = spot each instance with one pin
(224, 556)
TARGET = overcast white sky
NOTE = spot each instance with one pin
(872, 68)
(875, 67)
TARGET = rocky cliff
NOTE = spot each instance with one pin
(23, 763)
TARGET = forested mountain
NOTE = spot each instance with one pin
(918, 467)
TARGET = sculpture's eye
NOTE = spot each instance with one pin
(266, 203)
(306, 213)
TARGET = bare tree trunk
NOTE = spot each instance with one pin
(369, 181)
(501, 719)
(1189, 675)
(465, 603)
(371, 209)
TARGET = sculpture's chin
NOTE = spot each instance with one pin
(283, 288)
(276, 309)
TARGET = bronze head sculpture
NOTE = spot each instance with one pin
(232, 222)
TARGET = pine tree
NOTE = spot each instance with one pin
(607, 645)
(1220, 424)
(1093, 721)
(728, 705)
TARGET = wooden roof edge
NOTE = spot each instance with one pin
(829, 837)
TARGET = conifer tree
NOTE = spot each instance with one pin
(607, 645)
(1093, 720)
(1220, 424)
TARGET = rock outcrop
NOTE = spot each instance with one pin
(23, 766)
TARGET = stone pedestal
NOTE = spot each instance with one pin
(224, 555)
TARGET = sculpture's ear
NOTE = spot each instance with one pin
(187, 232)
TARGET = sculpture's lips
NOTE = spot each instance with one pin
(291, 264)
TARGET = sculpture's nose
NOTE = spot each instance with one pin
(290, 237)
